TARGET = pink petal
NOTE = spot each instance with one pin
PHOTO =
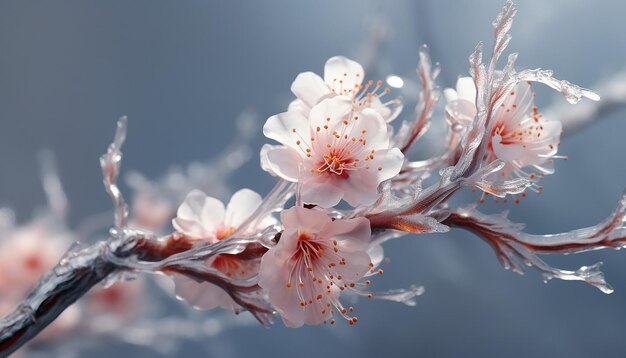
(336, 108)
(376, 254)
(284, 162)
(310, 88)
(242, 204)
(462, 111)
(375, 127)
(305, 219)
(387, 163)
(343, 75)
(466, 89)
(522, 99)
(281, 128)
(199, 215)
(297, 105)
(389, 111)
(361, 188)
(351, 234)
(192, 205)
(191, 228)
(273, 277)
(322, 190)
(265, 165)
(212, 215)
(203, 295)
(357, 265)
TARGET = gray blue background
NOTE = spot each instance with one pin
(182, 70)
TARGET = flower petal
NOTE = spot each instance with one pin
(212, 214)
(242, 204)
(310, 88)
(297, 105)
(387, 163)
(199, 216)
(322, 190)
(192, 205)
(377, 255)
(361, 188)
(351, 234)
(288, 128)
(265, 165)
(306, 219)
(450, 95)
(284, 162)
(372, 127)
(461, 110)
(203, 295)
(276, 264)
(330, 112)
(466, 89)
(389, 111)
(343, 75)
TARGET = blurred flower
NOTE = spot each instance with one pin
(119, 302)
(315, 260)
(342, 77)
(150, 211)
(336, 153)
(204, 218)
(25, 255)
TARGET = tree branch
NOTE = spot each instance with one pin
(516, 248)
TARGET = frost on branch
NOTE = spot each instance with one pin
(516, 248)
(110, 163)
(335, 142)
(411, 131)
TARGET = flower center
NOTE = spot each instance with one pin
(337, 162)
(224, 233)
(315, 276)
(363, 96)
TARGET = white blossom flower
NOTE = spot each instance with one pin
(206, 219)
(520, 136)
(343, 77)
(315, 260)
(335, 153)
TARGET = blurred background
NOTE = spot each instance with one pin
(183, 71)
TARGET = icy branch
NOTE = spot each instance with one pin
(402, 205)
(80, 270)
(110, 163)
(516, 248)
(613, 94)
(56, 291)
(429, 96)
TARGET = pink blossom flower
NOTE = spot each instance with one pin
(335, 153)
(520, 135)
(150, 211)
(342, 77)
(315, 259)
(206, 219)
(119, 302)
(25, 255)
